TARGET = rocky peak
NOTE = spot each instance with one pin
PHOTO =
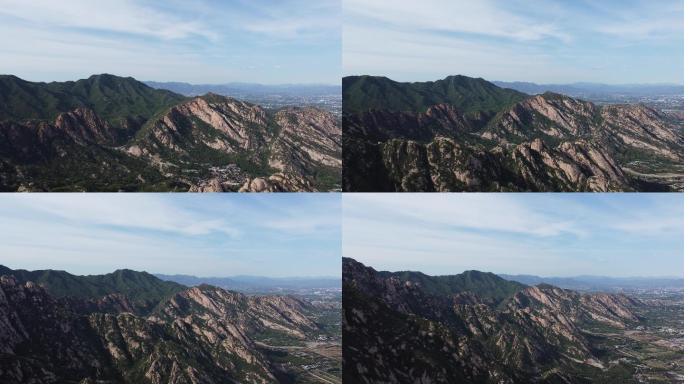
(308, 138)
(241, 122)
(8, 280)
(210, 330)
(278, 182)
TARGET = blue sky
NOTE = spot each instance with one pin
(540, 234)
(200, 41)
(544, 41)
(278, 235)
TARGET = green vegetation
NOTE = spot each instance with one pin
(327, 178)
(99, 169)
(111, 97)
(271, 337)
(362, 93)
(484, 284)
(139, 287)
(174, 149)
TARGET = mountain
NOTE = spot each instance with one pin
(594, 90)
(246, 89)
(400, 329)
(256, 283)
(512, 142)
(363, 93)
(601, 283)
(143, 290)
(484, 285)
(108, 133)
(202, 334)
(111, 97)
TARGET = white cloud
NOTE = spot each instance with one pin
(476, 211)
(540, 41)
(138, 211)
(197, 42)
(299, 20)
(482, 17)
(422, 56)
(210, 235)
(543, 234)
(643, 21)
(121, 16)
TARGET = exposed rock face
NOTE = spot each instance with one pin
(42, 339)
(308, 138)
(219, 123)
(445, 164)
(84, 126)
(200, 335)
(288, 148)
(277, 183)
(400, 327)
(208, 143)
(572, 165)
(438, 120)
(547, 142)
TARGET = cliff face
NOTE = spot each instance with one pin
(147, 140)
(401, 328)
(198, 335)
(284, 150)
(547, 142)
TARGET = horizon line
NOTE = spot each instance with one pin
(499, 274)
(156, 274)
(578, 82)
(232, 82)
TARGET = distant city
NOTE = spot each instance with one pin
(328, 97)
(669, 99)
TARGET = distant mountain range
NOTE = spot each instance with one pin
(257, 283)
(131, 327)
(109, 133)
(600, 283)
(242, 89)
(467, 134)
(476, 327)
(594, 89)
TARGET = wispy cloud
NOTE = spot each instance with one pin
(201, 235)
(469, 211)
(122, 16)
(543, 41)
(559, 235)
(482, 17)
(645, 22)
(126, 212)
(305, 20)
(204, 41)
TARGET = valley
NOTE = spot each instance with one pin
(328, 97)
(649, 351)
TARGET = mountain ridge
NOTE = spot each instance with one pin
(363, 93)
(588, 88)
(254, 281)
(190, 89)
(196, 335)
(111, 133)
(547, 142)
(535, 334)
(600, 283)
(142, 289)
